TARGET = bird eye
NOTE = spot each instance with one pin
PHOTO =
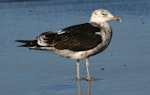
(104, 14)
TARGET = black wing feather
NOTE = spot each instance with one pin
(78, 38)
(28, 43)
(85, 28)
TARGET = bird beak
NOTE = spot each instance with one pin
(116, 18)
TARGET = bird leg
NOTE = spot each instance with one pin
(87, 69)
(78, 69)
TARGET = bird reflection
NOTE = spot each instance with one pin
(88, 88)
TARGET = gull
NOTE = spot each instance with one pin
(79, 41)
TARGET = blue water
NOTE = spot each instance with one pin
(122, 69)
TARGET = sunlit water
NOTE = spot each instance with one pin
(123, 69)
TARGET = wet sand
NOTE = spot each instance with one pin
(122, 69)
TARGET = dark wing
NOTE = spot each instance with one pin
(78, 38)
(47, 38)
(85, 28)
(27, 43)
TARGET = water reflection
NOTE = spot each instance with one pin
(88, 88)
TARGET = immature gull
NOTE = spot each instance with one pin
(77, 42)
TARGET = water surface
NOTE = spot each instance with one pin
(122, 69)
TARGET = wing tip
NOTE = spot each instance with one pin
(27, 43)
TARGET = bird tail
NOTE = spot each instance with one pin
(28, 43)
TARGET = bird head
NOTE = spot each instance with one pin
(102, 16)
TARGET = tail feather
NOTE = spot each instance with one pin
(28, 43)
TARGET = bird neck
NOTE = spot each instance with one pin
(100, 24)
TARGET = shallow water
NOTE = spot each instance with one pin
(122, 69)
